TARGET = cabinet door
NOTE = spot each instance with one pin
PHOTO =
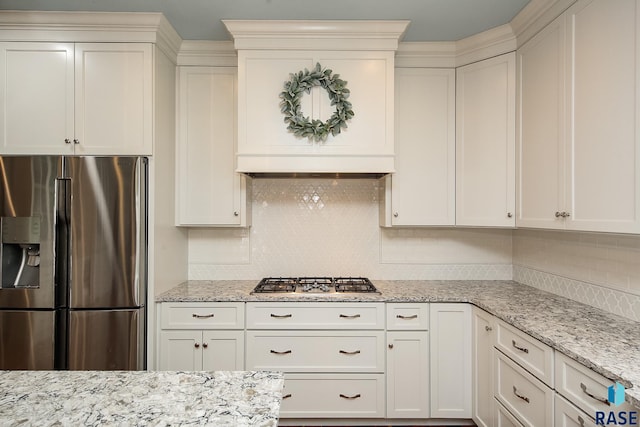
(482, 356)
(113, 98)
(407, 374)
(485, 142)
(210, 191)
(223, 350)
(450, 349)
(422, 188)
(180, 351)
(604, 190)
(36, 98)
(541, 128)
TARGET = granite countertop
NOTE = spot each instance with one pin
(606, 343)
(140, 398)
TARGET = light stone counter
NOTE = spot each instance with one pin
(604, 342)
(140, 398)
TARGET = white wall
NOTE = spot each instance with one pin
(330, 227)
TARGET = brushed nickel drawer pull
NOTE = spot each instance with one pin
(349, 352)
(202, 316)
(413, 316)
(599, 399)
(345, 316)
(581, 421)
(515, 391)
(286, 396)
(349, 397)
(280, 352)
(281, 316)
(524, 350)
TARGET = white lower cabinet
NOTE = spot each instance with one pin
(333, 396)
(201, 336)
(483, 329)
(450, 363)
(503, 418)
(407, 360)
(522, 394)
(332, 355)
(567, 415)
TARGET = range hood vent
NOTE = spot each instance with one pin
(274, 53)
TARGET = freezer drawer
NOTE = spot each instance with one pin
(27, 339)
(106, 340)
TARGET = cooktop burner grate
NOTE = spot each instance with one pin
(315, 284)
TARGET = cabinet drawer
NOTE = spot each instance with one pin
(567, 415)
(504, 417)
(533, 355)
(407, 316)
(526, 397)
(584, 388)
(333, 396)
(315, 351)
(299, 315)
(190, 315)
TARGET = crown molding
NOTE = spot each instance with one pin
(90, 27)
(493, 42)
(426, 54)
(316, 34)
(535, 16)
(207, 53)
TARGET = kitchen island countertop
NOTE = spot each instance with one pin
(134, 398)
(606, 343)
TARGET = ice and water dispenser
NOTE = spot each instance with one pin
(20, 252)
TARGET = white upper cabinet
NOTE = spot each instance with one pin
(36, 98)
(114, 98)
(210, 192)
(422, 190)
(541, 128)
(603, 143)
(579, 151)
(83, 99)
(485, 143)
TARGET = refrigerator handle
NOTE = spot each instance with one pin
(62, 248)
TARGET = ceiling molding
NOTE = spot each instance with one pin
(535, 16)
(316, 34)
(486, 44)
(426, 54)
(208, 53)
(90, 27)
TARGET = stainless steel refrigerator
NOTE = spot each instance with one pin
(73, 262)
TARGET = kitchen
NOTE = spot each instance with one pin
(594, 268)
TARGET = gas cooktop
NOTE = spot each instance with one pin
(315, 284)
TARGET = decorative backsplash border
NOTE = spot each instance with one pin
(612, 300)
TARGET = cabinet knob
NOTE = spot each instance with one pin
(75, 141)
(509, 215)
(67, 141)
(488, 328)
(395, 214)
(565, 214)
(205, 345)
(197, 345)
(390, 346)
(235, 213)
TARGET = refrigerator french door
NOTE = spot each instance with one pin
(74, 263)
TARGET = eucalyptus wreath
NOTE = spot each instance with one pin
(302, 82)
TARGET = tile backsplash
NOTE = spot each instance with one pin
(305, 227)
(330, 227)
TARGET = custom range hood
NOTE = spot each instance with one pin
(315, 97)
